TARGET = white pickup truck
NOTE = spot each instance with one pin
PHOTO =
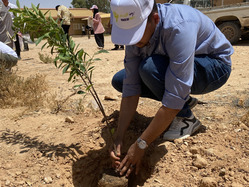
(232, 20)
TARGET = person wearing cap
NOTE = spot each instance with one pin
(98, 27)
(65, 16)
(172, 51)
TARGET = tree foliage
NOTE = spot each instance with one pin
(69, 57)
(103, 5)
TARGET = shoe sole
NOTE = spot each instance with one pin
(196, 127)
(193, 103)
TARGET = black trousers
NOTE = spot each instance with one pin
(66, 30)
(17, 46)
(99, 38)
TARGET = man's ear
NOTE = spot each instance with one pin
(156, 18)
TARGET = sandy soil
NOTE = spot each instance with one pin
(39, 148)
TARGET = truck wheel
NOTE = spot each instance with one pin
(231, 30)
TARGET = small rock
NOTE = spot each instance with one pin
(200, 162)
(158, 181)
(110, 97)
(208, 118)
(240, 103)
(167, 170)
(207, 152)
(183, 147)
(93, 105)
(237, 130)
(186, 143)
(178, 141)
(193, 150)
(28, 183)
(111, 179)
(187, 153)
(208, 182)
(168, 145)
(222, 172)
(235, 184)
(69, 120)
(18, 173)
(58, 175)
(193, 168)
(243, 126)
(7, 182)
(48, 180)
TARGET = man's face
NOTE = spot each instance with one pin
(5, 2)
(149, 30)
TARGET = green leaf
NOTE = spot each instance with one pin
(34, 8)
(41, 38)
(72, 44)
(82, 68)
(80, 53)
(101, 51)
(91, 68)
(65, 68)
(41, 15)
(52, 19)
(18, 4)
(45, 12)
(64, 58)
(112, 131)
(81, 92)
(96, 59)
(89, 87)
(77, 86)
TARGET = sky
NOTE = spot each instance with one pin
(43, 3)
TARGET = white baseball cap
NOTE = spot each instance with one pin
(129, 20)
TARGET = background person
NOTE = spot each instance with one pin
(98, 27)
(9, 5)
(65, 16)
(83, 29)
(6, 31)
(171, 51)
(8, 57)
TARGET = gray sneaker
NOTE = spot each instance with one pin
(181, 128)
(192, 102)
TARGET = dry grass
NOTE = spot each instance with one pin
(15, 91)
(47, 59)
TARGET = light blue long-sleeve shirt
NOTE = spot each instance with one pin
(181, 33)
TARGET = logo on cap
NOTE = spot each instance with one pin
(124, 17)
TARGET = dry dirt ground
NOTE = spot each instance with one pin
(39, 148)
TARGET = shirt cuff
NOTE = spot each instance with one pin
(172, 101)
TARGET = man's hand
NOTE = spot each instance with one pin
(115, 153)
(132, 160)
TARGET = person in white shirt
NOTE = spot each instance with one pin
(9, 5)
(6, 31)
(8, 57)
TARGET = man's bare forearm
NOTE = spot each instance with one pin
(127, 111)
(161, 121)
